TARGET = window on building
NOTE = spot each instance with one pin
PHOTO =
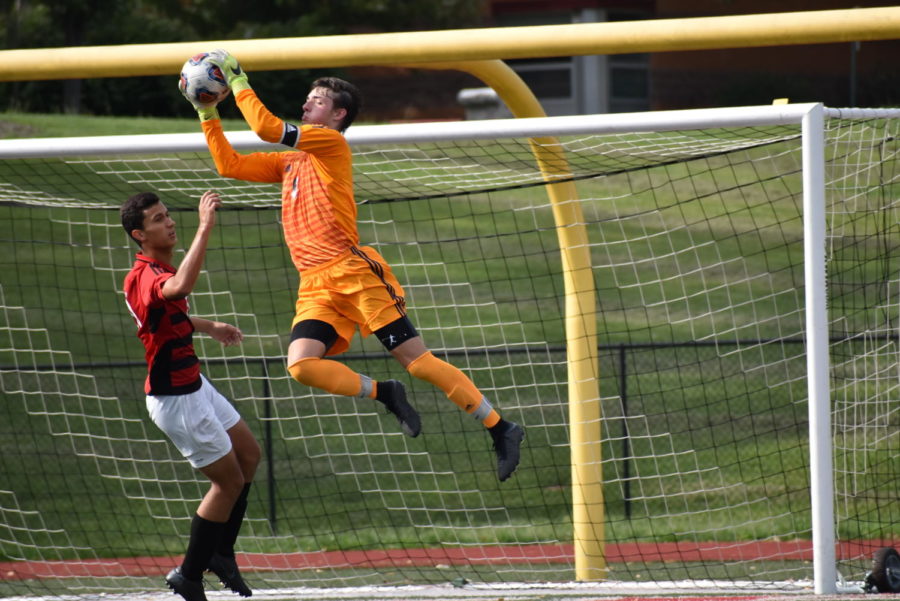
(583, 84)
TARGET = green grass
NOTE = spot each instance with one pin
(27, 125)
(716, 435)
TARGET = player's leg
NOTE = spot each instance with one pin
(360, 291)
(247, 454)
(223, 562)
(192, 422)
(320, 328)
(207, 526)
(226, 484)
(311, 339)
(459, 388)
(209, 523)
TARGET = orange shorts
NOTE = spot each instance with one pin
(355, 289)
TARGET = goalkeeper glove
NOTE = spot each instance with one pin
(234, 75)
(204, 111)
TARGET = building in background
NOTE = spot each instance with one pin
(581, 84)
(838, 74)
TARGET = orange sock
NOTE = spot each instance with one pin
(456, 385)
(332, 377)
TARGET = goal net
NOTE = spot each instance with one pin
(694, 224)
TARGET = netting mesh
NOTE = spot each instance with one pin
(696, 243)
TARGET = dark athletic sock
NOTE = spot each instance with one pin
(233, 525)
(205, 537)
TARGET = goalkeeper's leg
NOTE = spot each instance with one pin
(310, 340)
(412, 353)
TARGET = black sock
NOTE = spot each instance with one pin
(233, 525)
(384, 391)
(205, 537)
(498, 427)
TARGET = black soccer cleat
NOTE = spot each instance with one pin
(393, 395)
(508, 437)
(227, 571)
(191, 590)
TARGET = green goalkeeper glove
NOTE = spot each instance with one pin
(234, 75)
(204, 111)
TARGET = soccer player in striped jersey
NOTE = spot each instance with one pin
(343, 285)
(204, 426)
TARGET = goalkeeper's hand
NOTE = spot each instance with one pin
(204, 111)
(234, 75)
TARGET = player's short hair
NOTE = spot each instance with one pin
(345, 96)
(132, 212)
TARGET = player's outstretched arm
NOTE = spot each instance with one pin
(225, 333)
(265, 124)
(182, 283)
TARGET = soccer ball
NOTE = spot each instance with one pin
(202, 82)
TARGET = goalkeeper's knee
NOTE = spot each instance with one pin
(296, 370)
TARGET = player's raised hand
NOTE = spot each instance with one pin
(209, 202)
(235, 76)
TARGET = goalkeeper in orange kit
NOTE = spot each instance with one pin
(343, 286)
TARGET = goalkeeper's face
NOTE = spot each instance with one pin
(319, 109)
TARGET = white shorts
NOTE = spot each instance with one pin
(197, 423)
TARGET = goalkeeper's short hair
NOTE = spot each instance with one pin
(345, 96)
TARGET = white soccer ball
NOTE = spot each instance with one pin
(202, 82)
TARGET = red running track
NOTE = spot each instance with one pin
(431, 557)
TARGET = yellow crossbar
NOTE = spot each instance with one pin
(653, 35)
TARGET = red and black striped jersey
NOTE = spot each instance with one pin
(164, 327)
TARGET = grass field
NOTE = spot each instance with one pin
(699, 277)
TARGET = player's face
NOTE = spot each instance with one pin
(319, 109)
(159, 227)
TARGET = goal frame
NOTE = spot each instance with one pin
(581, 313)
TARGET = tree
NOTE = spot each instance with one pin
(56, 23)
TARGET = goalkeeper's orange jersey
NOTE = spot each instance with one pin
(317, 204)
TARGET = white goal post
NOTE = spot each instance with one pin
(481, 206)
